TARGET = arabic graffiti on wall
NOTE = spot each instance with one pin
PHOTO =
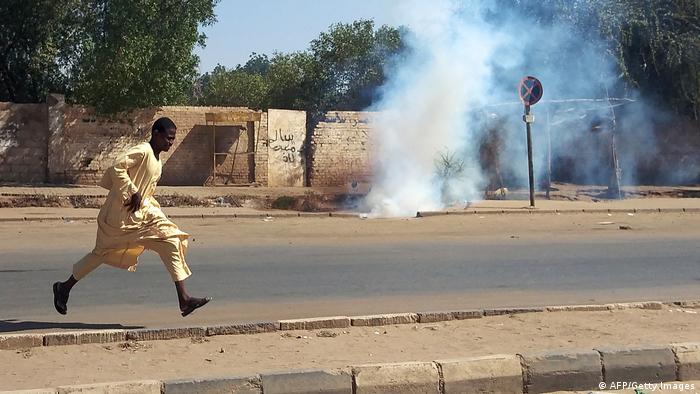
(283, 143)
(285, 140)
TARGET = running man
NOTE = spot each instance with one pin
(131, 221)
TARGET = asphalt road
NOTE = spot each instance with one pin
(279, 278)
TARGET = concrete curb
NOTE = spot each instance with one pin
(396, 378)
(638, 364)
(687, 357)
(557, 371)
(500, 373)
(561, 370)
(315, 323)
(535, 211)
(420, 214)
(22, 341)
(301, 382)
(245, 385)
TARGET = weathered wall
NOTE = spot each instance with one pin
(23, 142)
(83, 145)
(341, 149)
(285, 142)
(190, 161)
(261, 156)
(61, 143)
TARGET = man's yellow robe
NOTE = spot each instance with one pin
(122, 235)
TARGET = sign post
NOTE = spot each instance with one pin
(530, 91)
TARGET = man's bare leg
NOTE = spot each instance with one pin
(61, 291)
(187, 303)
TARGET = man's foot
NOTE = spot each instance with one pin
(60, 299)
(193, 304)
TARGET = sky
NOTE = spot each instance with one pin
(266, 26)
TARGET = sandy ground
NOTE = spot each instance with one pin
(354, 230)
(478, 207)
(559, 191)
(337, 348)
(323, 199)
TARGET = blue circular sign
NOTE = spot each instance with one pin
(530, 90)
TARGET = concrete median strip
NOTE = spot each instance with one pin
(384, 320)
(165, 333)
(242, 328)
(560, 370)
(435, 317)
(22, 341)
(354, 215)
(315, 323)
(511, 311)
(84, 337)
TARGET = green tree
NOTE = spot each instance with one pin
(656, 43)
(293, 80)
(113, 54)
(351, 61)
(342, 70)
(658, 47)
(139, 53)
(236, 88)
(39, 45)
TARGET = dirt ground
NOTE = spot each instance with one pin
(338, 348)
(355, 230)
(310, 199)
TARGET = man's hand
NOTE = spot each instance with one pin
(134, 203)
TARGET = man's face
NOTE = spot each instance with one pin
(164, 140)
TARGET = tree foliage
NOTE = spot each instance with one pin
(40, 42)
(121, 54)
(112, 54)
(655, 43)
(341, 70)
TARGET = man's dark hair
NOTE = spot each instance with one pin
(162, 125)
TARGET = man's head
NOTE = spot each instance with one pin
(163, 134)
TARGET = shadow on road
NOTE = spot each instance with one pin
(11, 325)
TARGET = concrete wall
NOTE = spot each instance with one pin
(23, 142)
(61, 143)
(285, 143)
(83, 145)
(341, 149)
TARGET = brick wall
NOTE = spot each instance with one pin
(23, 142)
(261, 157)
(61, 143)
(83, 145)
(190, 161)
(341, 149)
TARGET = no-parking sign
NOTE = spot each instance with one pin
(530, 90)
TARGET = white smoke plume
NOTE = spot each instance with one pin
(463, 58)
(424, 109)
